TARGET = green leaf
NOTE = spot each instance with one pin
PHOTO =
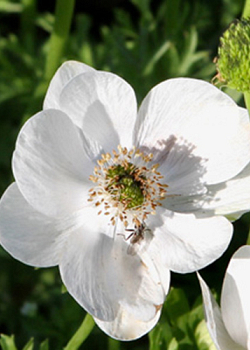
(29, 345)
(161, 337)
(44, 345)
(176, 305)
(156, 57)
(173, 345)
(46, 21)
(155, 338)
(7, 342)
(64, 289)
(203, 339)
(6, 6)
(81, 334)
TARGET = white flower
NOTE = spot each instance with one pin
(230, 326)
(118, 199)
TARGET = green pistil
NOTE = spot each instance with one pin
(131, 192)
(126, 185)
(120, 170)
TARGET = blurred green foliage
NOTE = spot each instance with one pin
(145, 42)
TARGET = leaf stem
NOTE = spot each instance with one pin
(63, 17)
(81, 334)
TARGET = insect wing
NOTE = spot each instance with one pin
(134, 248)
(140, 242)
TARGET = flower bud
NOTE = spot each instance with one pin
(233, 63)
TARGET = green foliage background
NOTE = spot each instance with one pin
(145, 42)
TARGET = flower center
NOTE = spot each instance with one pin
(126, 185)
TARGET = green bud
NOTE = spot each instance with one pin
(233, 64)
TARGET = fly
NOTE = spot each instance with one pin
(139, 237)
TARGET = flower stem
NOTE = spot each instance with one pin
(81, 334)
(246, 10)
(248, 238)
(113, 344)
(246, 14)
(28, 16)
(247, 100)
(63, 16)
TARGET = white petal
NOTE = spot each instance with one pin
(126, 326)
(183, 171)
(157, 256)
(100, 274)
(231, 198)
(235, 305)
(63, 75)
(201, 116)
(49, 164)
(214, 320)
(27, 235)
(96, 100)
(188, 243)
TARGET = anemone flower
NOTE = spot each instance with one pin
(230, 327)
(119, 198)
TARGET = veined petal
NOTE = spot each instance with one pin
(50, 165)
(189, 243)
(63, 75)
(27, 235)
(100, 274)
(126, 327)
(103, 105)
(215, 325)
(231, 198)
(183, 171)
(201, 116)
(235, 306)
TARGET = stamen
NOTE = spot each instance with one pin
(127, 185)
